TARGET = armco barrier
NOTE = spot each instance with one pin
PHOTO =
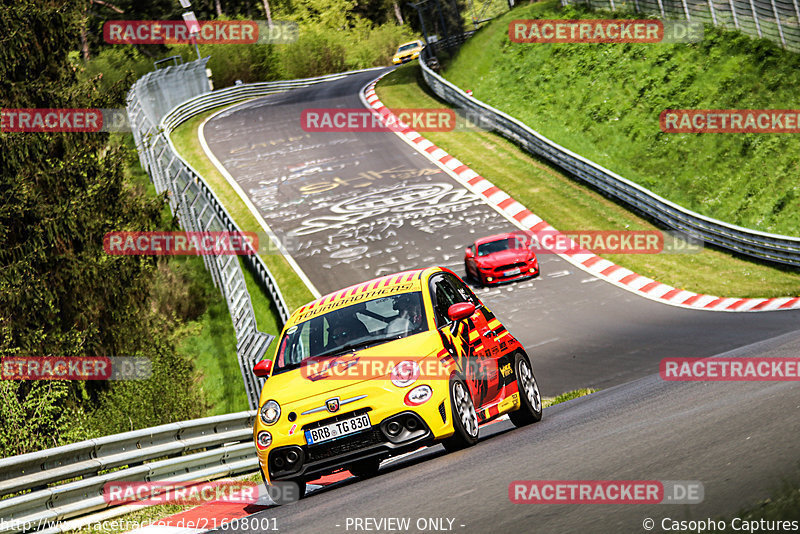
(776, 20)
(201, 449)
(772, 247)
(193, 201)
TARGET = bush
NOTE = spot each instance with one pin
(315, 53)
(374, 46)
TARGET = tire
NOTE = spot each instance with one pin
(464, 417)
(301, 485)
(366, 468)
(530, 397)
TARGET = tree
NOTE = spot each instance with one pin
(60, 294)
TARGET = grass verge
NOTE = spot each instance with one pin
(603, 101)
(569, 205)
(567, 395)
(783, 505)
(294, 291)
(209, 340)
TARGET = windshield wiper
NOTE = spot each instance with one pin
(351, 348)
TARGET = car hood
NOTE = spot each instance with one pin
(315, 378)
(504, 256)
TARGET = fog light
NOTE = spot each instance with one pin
(264, 439)
(292, 456)
(393, 428)
(279, 462)
(489, 278)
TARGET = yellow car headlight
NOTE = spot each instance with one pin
(270, 412)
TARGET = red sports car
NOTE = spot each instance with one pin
(501, 257)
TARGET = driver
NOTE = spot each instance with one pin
(340, 334)
(345, 328)
(409, 316)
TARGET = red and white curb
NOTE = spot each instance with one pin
(213, 515)
(584, 259)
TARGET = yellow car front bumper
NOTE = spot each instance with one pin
(381, 400)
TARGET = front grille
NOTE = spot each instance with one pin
(442, 412)
(509, 266)
(345, 445)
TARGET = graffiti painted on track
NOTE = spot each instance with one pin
(377, 225)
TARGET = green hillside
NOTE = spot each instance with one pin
(603, 101)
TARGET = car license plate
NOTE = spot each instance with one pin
(511, 272)
(338, 429)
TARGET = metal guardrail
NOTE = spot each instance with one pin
(776, 20)
(201, 449)
(67, 482)
(772, 247)
(195, 204)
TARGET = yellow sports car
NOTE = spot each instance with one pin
(384, 367)
(407, 52)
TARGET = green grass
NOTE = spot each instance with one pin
(210, 340)
(783, 505)
(568, 395)
(569, 205)
(603, 101)
(295, 293)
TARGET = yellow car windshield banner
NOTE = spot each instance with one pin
(358, 295)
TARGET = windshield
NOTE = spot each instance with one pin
(498, 246)
(408, 46)
(358, 326)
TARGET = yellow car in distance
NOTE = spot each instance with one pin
(382, 368)
(407, 52)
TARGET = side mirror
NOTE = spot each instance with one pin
(468, 252)
(460, 311)
(263, 368)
